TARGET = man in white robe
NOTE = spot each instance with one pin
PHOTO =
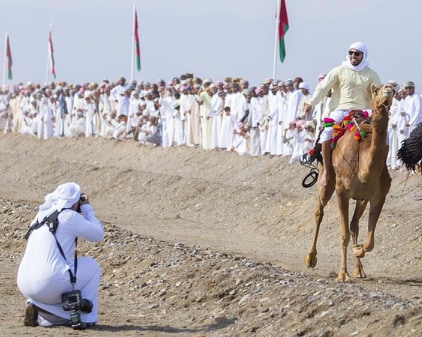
(282, 108)
(412, 105)
(5, 112)
(167, 102)
(293, 99)
(33, 112)
(253, 122)
(193, 133)
(133, 109)
(44, 274)
(236, 104)
(26, 124)
(216, 118)
(273, 120)
(46, 118)
(68, 98)
(117, 92)
(392, 131)
(264, 122)
(205, 100)
(89, 110)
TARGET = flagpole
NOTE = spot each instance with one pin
(277, 23)
(5, 60)
(133, 44)
(48, 56)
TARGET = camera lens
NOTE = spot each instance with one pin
(86, 306)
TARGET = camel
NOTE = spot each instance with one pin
(359, 173)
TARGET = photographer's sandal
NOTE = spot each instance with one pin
(31, 315)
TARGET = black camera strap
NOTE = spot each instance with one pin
(72, 275)
(52, 222)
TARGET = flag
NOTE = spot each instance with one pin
(283, 26)
(136, 37)
(50, 43)
(9, 59)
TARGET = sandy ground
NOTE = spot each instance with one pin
(212, 244)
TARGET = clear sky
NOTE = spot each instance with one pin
(210, 38)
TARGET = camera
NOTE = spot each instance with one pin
(82, 198)
(73, 302)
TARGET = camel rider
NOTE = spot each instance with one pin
(351, 83)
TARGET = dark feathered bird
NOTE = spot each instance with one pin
(410, 152)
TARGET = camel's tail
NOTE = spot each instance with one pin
(410, 152)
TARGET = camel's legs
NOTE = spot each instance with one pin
(375, 207)
(311, 258)
(343, 205)
(328, 173)
(324, 193)
(354, 231)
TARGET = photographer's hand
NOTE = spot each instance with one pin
(84, 199)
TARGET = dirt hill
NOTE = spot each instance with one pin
(212, 244)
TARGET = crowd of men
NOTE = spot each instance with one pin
(268, 119)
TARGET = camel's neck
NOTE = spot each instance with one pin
(379, 128)
(378, 150)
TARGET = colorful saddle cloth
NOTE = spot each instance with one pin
(350, 123)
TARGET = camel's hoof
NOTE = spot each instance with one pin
(360, 275)
(359, 272)
(311, 261)
(343, 277)
(358, 250)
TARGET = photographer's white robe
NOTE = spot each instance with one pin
(43, 274)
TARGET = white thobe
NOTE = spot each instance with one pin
(273, 124)
(206, 123)
(412, 106)
(89, 111)
(215, 116)
(253, 122)
(282, 107)
(264, 124)
(392, 133)
(43, 274)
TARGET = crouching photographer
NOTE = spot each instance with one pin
(61, 288)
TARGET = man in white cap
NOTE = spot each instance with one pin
(293, 99)
(412, 105)
(351, 83)
(89, 110)
(255, 115)
(167, 102)
(305, 97)
(392, 131)
(273, 135)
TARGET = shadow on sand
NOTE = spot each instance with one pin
(207, 328)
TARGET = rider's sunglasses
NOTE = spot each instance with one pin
(356, 53)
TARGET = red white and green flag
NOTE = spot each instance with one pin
(136, 41)
(9, 59)
(283, 26)
(51, 51)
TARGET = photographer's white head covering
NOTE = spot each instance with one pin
(363, 64)
(65, 196)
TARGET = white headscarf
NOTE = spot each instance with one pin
(363, 64)
(65, 196)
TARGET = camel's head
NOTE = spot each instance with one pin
(382, 95)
